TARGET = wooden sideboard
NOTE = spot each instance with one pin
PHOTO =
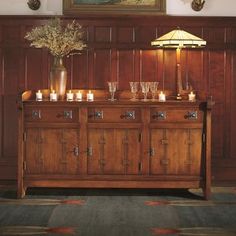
(120, 144)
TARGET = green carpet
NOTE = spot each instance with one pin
(118, 212)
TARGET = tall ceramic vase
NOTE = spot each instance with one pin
(58, 77)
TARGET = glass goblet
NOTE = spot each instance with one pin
(112, 86)
(134, 90)
(145, 89)
(153, 89)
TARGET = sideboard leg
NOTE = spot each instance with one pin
(21, 192)
(206, 192)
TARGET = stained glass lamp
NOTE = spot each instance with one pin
(178, 39)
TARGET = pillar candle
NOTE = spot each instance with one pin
(78, 96)
(90, 96)
(162, 97)
(39, 96)
(53, 96)
(69, 96)
(191, 97)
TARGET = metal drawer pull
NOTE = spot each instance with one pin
(191, 115)
(65, 115)
(98, 115)
(90, 151)
(36, 114)
(76, 151)
(128, 115)
(159, 115)
(152, 152)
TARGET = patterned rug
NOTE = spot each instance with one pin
(118, 212)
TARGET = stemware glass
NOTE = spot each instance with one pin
(112, 88)
(145, 89)
(134, 90)
(153, 89)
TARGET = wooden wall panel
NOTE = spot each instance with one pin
(145, 34)
(103, 34)
(125, 35)
(217, 91)
(170, 69)
(148, 65)
(126, 68)
(119, 50)
(78, 71)
(9, 149)
(102, 68)
(233, 108)
(33, 69)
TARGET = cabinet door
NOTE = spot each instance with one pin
(113, 151)
(51, 151)
(176, 151)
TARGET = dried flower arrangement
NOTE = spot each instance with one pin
(58, 39)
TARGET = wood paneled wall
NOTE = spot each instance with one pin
(119, 49)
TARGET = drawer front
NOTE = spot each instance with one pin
(51, 114)
(176, 115)
(103, 115)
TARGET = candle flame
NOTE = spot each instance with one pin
(39, 91)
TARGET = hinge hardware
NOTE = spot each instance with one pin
(140, 137)
(140, 166)
(24, 165)
(24, 137)
(203, 137)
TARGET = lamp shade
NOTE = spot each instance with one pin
(179, 39)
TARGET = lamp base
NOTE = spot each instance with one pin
(178, 97)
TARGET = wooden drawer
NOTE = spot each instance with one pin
(51, 114)
(176, 115)
(124, 114)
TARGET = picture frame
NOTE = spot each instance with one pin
(125, 7)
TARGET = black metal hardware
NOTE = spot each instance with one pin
(191, 115)
(128, 115)
(159, 115)
(152, 152)
(90, 151)
(76, 151)
(36, 114)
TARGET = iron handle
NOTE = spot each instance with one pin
(65, 115)
(90, 151)
(159, 115)
(76, 151)
(191, 115)
(36, 114)
(96, 115)
(152, 152)
(129, 115)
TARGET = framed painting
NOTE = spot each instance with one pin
(127, 7)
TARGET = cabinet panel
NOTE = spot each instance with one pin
(176, 115)
(113, 151)
(51, 151)
(121, 115)
(51, 114)
(168, 158)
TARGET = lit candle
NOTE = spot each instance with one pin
(69, 96)
(78, 96)
(90, 96)
(39, 96)
(162, 97)
(191, 97)
(53, 96)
